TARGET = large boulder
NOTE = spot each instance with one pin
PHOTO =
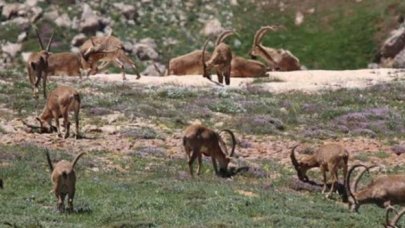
(212, 28)
(128, 11)
(399, 60)
(154, 69)
(90, 21)
(394, 44)
(11, 49)
(146, 50)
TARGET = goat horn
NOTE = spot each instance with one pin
(39, 39)
(347, 184)
(233, 140)
(203, 58)
(398, 217)
(387, 215)
(223, 36)
(49, 42)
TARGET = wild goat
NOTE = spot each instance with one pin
(106, 49)
(63, 179)
(37, 66)
(329, 157)
(67, 63)
(220, 59)
(241, 67)
(199, 140)
(187, 64)
(394, 221)
(278, 59)
(61, 101)
(384, 190)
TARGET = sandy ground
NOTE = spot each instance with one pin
(266, 147)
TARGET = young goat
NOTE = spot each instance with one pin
(63, 179)
(61, 101)
(220, 59)
(199, 140)
(37, 66)
(329, 157)
(384, 190)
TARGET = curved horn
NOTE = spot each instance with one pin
(223, 36)
(48, 159)
(203, 59)
(387, 215)
(294, 160)
(30, 126)
(348, 188)
(48, 47)
(397, 217)
(39, 39)
(233, 140)
(77, 158)
(359, 176)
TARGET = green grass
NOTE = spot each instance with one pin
(158, 192)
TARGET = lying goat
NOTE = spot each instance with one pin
(63, 179)
(67, 63)
(188, 64)
(384, 190)
(220, 59)
(329, 157)
(199, 140)
(37, 66)
(241, 68)
(61, 101)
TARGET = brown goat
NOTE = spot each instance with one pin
(67, 63)
(220, 59)
(394, 221)
(61, 101)
(63, 179)
(278, 59)
(384, 190)
(329, 157)
(199, 140)
(188, 64)
(37, 66)
(242, 68)
(106, 49)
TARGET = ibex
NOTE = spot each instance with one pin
(199, 140)
(61, 101)
(67, 63)
(278, 59)
(394, 221)
(187, 64)
(37, 66)
(63, 179)
(241, 67)
(106, 49)
(384, 190)
(220, 59)
(329, 157)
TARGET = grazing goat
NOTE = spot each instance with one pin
(329, 157)
(394, 221)
(63, 179)
(67, 63)
(384, 190)
(188, 64)
(106, 49)
(61, 101)
(220, 59)
(278, 59)
(37, 66)
(241, 68)
(199, 140)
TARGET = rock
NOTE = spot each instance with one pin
(398, 149)
(11, 49)
(36, 13)
(78, 40)
(11, 10)
(212, 28)
(394, 44)
(150, 42)
(145, 52)
(128, 11)
(63, 21)
(22, 22)
(151, 70)
(299, 18)
(399, 60)
(51, 15)
(31, 3)
(111, 118)
(110, 129)
(25, 56)
(22, 37)
(233, 2)
(90, 22)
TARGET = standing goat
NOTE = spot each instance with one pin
(63, 179)
(106, 49)
(67, 63)
(199, 140)
(384, 190)
(220, 59)
(278, 59)
(329, 157)
(37, 66)
(188, 64)
(61, 101)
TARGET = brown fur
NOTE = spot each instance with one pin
(67, 63)
(37, 66)
(188, 64)
(63, 179)
(384, 190)
(61, 101)
(278, 59)
(241, 68)
(220, 59)
(107, 49)
(199, 140)
(329, 157)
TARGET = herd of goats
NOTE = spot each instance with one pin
(384, 191)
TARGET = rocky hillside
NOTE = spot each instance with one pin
(328, 35)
